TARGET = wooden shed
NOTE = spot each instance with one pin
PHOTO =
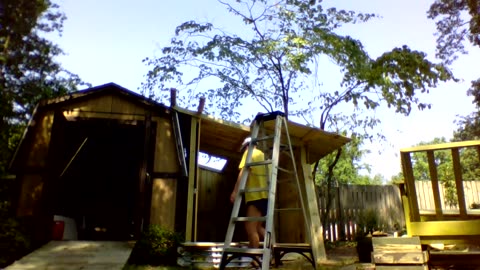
(114, 162)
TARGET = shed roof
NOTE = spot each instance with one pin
(217, 137)
(222, 137)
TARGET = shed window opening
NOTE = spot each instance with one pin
(211, 162)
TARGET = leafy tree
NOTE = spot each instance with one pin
(28, 73)
(276, 55)
(458, 23)
(28, 70)
(278, 51)
(349, 167)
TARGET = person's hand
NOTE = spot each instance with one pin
(232, 196)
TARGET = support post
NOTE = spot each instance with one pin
(192, 162)
(313, 214)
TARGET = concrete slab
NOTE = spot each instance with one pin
(76, 255)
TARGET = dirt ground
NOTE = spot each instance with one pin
(342, 258)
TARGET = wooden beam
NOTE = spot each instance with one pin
(435, 187)
(142, 216)
(192, 160)
(411, 192)
(441, 146)
(446, 228)
(457, 170)
(197, 175)
(201, 105)
(313, 214)
(173, 97)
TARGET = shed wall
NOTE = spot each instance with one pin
(117, 108)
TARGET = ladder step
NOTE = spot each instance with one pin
(249, 218)
(250, 251)
(250, 190)
(285, 170)
(259, 163)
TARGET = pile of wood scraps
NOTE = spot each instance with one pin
(399, 253)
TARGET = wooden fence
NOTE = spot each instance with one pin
(425, 195)
(355, 205)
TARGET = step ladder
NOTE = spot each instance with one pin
(263, 254)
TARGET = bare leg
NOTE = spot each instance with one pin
(261, 230)
(252, 227)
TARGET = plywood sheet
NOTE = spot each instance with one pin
(163, 202)
(95, 104)
(165, 160)
(122, 105)
(37, 154)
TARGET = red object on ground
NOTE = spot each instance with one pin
(58, 228)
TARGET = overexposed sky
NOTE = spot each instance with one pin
(105, 41)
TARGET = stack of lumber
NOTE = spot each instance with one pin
(398, 253)
(207, 255)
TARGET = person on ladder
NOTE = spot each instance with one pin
(256, 202)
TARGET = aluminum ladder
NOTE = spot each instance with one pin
(263, 254)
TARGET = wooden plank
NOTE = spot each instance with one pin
(396, 243)
(410, 186)
(434, 179)
(401, 267)
(165, 147)
(441, 146)
(382, 257)
(123, 105)
(446, 228)
(406, 209)
(315, 224)
(192, 161)
(197, 175)
(164, 202)
(457, 170)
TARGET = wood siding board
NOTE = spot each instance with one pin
(165, 149)
(163, 202)
(434, 179)
(410, 186)
(457, 170)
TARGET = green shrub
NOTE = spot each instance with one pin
(156, 246)
(15, 242)
(369, 221)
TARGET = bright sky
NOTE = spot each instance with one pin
(106, 40)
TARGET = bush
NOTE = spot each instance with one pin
(368, 221)
(156, 246)
(15, 242)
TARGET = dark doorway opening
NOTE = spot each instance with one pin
(99, 171)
